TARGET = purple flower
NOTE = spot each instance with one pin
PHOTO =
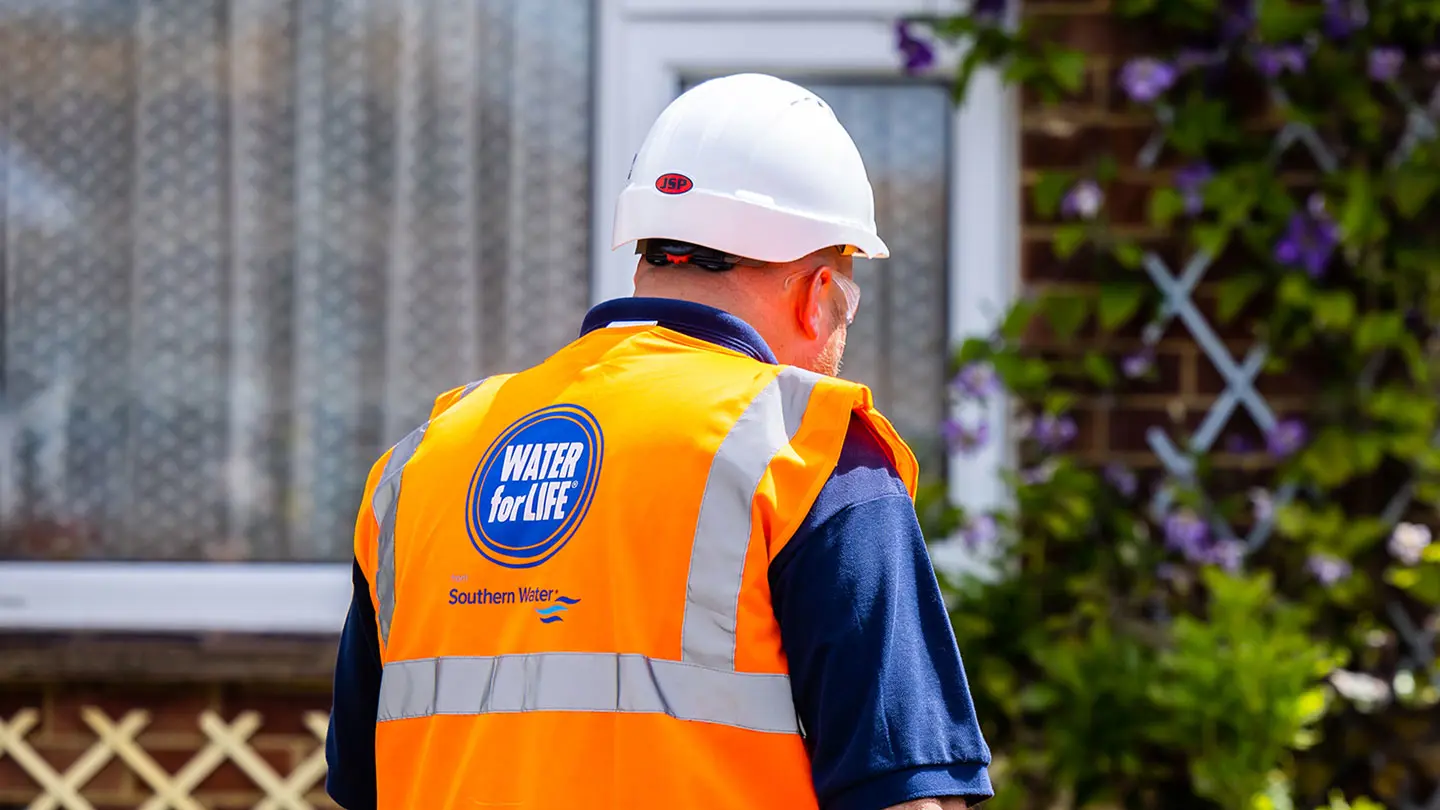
(1327, 569)
(980, 532)
(1235, 443)
(918, 53)
(1190, 182)
(1228, 554)
(1237, 18)
(1137, 365)
(1190, 58)
(1272, 61)
(1053, 432)
(965, 439)
(1262, 505)
(1122, 478)
(976, 381)
(1385, 64)
(987, 10)
(1145, 79)
(1083, 200)
(1408, 543)
(1309, 241)
(1186, 533)
(1343, 18)
(1285, 439)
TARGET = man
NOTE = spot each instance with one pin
(661, 569)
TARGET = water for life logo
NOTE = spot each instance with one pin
(534, 485)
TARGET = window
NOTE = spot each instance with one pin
(243, 244)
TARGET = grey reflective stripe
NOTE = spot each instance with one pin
(585, 682)
(383, 502)
(722, 530)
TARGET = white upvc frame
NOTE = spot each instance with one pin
(643, 48)
(647, 46)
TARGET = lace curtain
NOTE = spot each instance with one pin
(244, 242)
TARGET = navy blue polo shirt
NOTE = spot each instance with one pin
(876, 675)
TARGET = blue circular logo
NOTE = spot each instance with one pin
(534, 485)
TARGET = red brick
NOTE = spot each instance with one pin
(280, 712)
(1129, 425)
(229, 776)
(15, 698)
(15, 778)
(114, 776)
(171, 708)
(1052, 148)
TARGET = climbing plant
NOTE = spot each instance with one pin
(1238, 622)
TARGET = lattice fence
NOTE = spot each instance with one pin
(119, 739)
(1417, 643)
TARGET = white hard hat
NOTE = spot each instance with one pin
(753, 166)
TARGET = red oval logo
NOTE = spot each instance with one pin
(673, 183)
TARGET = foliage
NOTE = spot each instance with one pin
(1256, 630)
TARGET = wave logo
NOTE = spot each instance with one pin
(551, 614)
(534, 485)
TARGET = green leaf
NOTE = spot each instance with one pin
(1357, 220)
(1234, 293)
(1211, 239)
(1165, 205)
(1413, 189)
(1292, 520)
(1119, 301)
(1066, 311)
(1017, 320)
(1330, 459)
(1067, 68)
(1049, 191)
(1100, 369)
(1334, 310)
(1129, 254)
(1282, 21)
(1295, 291)
(1378, 330)
(1069, 238)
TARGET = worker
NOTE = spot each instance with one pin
(677, 564)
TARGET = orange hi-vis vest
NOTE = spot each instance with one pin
(569, 568)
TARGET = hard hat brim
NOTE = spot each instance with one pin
(742, 227)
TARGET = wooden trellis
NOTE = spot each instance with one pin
(226, 742)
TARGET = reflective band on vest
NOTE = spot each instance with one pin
(722, 531)
(383, 503)
(585, 682)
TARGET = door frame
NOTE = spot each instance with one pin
(646, 46)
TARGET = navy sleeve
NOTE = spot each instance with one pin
(350, 745)
(874, 667)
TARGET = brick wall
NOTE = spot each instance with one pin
(1186, 383)
(257, 703)
(171, 738)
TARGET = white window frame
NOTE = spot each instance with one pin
(643, 48)
(647, 46)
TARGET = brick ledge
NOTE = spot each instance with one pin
(48, 658)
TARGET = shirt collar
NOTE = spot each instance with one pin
(688, 318)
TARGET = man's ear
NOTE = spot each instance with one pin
(811, 309)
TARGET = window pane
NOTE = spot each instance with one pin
(243, 242)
